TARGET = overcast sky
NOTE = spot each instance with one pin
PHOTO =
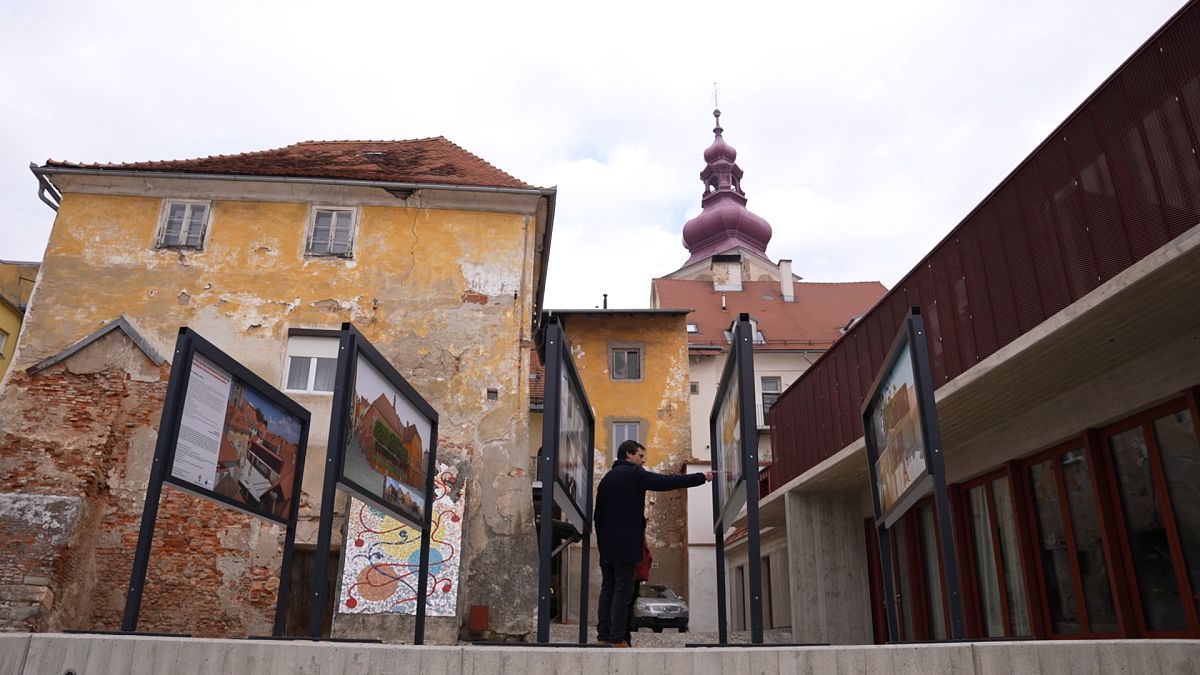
(866, 130)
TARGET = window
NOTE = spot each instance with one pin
(759, 338)
(694, 387)
(999, 578)
(311, 363)
(625, 431)
(182, 224)
(693, 328)
(626, 363)
(4, 342)
(771, 387)
(331, 233)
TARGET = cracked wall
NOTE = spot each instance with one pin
(444, 293)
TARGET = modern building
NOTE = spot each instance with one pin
(438, 257)
(728, 272)
(1063, 334)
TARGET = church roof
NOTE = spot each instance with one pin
(813, 321)
(434, 161)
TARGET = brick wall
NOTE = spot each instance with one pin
(76, 445)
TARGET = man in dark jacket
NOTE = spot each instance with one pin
(620, 521)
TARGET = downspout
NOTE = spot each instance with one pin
(44, 186)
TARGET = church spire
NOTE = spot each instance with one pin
(724, 222)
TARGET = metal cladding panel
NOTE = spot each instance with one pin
(1119, 179)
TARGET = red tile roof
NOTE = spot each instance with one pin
(423, 160)
(811, 322)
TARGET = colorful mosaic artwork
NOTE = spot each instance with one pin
(383, 557)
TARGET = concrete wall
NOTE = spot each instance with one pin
(23, 654)
(777, 594)
(445, 293)
(827, 555)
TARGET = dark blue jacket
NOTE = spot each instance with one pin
(620, 508)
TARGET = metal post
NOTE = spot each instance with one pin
(585, 570)
(546, 464)
(933, 443)
(164, 453)
(749, 443)
(719, 538)
(342, 397)
(426, 534)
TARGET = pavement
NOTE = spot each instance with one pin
(670, 637)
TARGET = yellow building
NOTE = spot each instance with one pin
(16, 285)
(438, 257)
(633, 364)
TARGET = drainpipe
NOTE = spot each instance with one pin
(44, 186)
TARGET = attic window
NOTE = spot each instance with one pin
(693, 328)
(372, 153)
(759, 339)
(331, 233)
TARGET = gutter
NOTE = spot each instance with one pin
(45, 185)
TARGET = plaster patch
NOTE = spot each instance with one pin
(490, 279)
(55, 516)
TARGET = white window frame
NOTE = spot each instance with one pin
(3, 341)
(625, 424)
(160, 236)
(312, 348)
(693, 328)
(311, 230)
(777, 383)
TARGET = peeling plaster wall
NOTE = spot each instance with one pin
(444, 294)
(660, 401)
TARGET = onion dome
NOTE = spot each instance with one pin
(724, 222)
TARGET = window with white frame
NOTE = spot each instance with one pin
(3, 341)
(626, 363)
(182, 224)
(693, 328)
(311, 363)
(771, 387)
(625, 431)
(331, 232)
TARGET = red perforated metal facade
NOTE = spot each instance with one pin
(1116, 181)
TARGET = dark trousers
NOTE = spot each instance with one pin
(616, 595)
(637, 585)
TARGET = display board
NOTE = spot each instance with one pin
(226, 435)
(894, 432)
(389, 438)
(564, 465)
(733, 441)
(904, 459)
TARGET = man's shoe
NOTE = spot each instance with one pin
(620, 645)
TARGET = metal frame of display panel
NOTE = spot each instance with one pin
(739, 364)
(188, 344)
(910, 342)
(353, 345)
(558, 362)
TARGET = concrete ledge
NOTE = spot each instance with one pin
(55, 654)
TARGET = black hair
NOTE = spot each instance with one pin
(628, 448)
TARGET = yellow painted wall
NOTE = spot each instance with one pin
(660, 401)
(445, 294)
(10, 323)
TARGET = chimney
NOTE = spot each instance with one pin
(786, 289)
(726, 272)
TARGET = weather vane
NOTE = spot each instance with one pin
(716, 91)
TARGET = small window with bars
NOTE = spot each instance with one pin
(182, 225)
(331, 233)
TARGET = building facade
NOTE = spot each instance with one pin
(435, 255)
(1062, 334)
(728, 272)
(16, 284)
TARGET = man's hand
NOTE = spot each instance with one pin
(708, 476)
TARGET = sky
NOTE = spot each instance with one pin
(866, 130)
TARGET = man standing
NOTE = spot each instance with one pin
(620, 529)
